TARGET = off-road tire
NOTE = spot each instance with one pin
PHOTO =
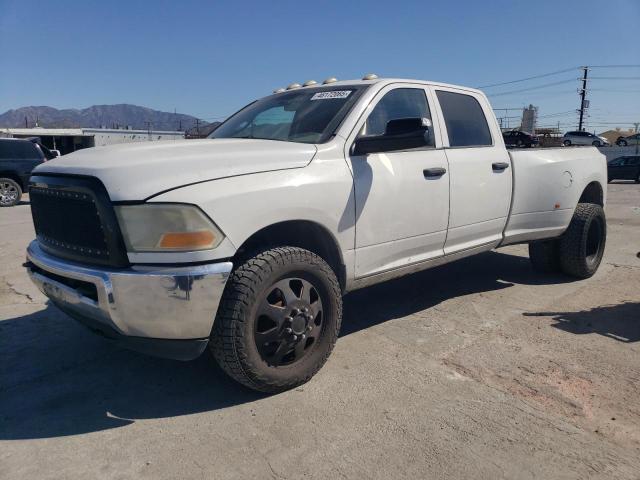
(582, 245)
(10, 183)
(232, 339)
(545, 256)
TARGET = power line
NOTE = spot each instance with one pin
(537, 87)
(614, 66)
(530, 78)
(615, 78)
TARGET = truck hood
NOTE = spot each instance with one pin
(136, 171)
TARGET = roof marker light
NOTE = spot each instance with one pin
(330, 80)
(370, 76)
(279, 90)
(308, 83)
(293, 86)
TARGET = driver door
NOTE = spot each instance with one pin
(401, 196)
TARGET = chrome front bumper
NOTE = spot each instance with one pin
(172, 307)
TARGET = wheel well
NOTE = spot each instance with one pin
(297, 233)
(592, 194)
(13, 177)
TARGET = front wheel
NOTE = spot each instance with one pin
(278, 319)
(622, 143)
(582, 245)
(10, 192)
(567, 143)
(596, 143)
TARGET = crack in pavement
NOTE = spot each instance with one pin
(15, 291)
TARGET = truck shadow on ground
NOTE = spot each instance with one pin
(620, 322)
(58, 379)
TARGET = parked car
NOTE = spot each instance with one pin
(17, 159)
(626, 167)
(583, 138)
(517, 138)
(630, 140)
(247, 241)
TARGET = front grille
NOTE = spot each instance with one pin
(68, 221)
(74, 219)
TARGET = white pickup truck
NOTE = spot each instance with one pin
(248, 240)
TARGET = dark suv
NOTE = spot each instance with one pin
(17, 159)
(626, 167)
(516, 138)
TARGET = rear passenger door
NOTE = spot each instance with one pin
(480, 171)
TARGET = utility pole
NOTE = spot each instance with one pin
(583, 93)
(198, 127)
(26, 124)
(148, 124)
(637, 141)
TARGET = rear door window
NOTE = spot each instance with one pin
(19, 150)
(466, 123)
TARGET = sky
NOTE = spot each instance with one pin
(210, 58)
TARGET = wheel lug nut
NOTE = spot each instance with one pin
(303, 336)
(288, 330)
(288, 319)
(309, 328)
(294, 337)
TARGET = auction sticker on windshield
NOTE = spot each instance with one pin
(330, 95)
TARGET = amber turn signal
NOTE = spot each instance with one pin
(187, 240)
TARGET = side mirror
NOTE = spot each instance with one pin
(400, 134)
(56, 153)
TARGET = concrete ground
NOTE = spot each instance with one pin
(478, 369)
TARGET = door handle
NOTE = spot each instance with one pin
(500, 166)
(434, 172)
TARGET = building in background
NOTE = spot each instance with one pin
(68, 140)
(529, 119)
(612, 135)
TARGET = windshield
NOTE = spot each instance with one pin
(306, 115)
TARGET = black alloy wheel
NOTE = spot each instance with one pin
(289, 321)
(278, 319)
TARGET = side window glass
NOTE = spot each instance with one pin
(466, 124)
(397, 104)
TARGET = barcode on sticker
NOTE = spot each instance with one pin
(330, 95)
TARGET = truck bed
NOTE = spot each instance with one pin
(547, 185)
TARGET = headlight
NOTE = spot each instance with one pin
(166, 228)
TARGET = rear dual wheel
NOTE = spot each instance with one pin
(278, 319)
(579, 251)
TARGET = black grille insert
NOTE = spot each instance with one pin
(74, 219)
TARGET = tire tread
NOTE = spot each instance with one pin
(227, 343)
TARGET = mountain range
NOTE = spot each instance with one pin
(96, 116)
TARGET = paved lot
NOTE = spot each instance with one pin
(479, 369)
